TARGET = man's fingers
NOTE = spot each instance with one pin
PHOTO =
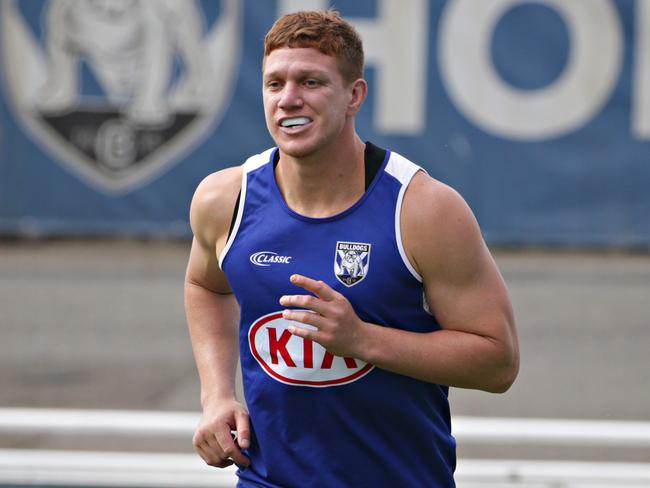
(304, 333)
(228, 446)
(214, 440)
(308, 302)
(318, 288)
(243, 430)
(305, 317)
(212, 454)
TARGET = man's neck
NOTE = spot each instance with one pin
(326, 183)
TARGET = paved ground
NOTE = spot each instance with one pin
(101, 325)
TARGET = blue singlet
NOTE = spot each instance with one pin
(320, 420)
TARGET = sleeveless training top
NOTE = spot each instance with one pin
(319, 420)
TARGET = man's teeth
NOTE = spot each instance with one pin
(295, 121)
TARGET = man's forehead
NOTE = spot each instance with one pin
(299, 59)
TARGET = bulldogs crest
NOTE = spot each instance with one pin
(351, 262)
(116, 90)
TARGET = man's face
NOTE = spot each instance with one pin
(306, 100)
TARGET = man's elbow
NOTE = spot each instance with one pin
(505, 374)
(503, 382)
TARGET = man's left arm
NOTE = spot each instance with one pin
(477, 345)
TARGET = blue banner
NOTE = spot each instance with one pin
(537, 112)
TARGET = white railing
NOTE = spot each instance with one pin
(97, 422)
(72, 468)
(554, 432)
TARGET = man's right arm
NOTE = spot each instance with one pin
(212, 316)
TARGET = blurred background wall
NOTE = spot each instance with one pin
(111, 112)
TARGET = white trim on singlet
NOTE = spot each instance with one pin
(403, 170)
(251, 164)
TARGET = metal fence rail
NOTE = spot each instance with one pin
(83, 468)
(76, 468)
(475, 430)
(150, 470)
(555, 432)
(94, 422)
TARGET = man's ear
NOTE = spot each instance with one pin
(359, 91)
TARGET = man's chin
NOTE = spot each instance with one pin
(298, 150)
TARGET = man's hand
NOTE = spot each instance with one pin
(338, 327)
(213, 440)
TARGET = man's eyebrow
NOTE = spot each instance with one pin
(312, 72)
(302, 73)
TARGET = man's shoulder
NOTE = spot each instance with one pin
(214, 199)
(223, 186)
(421, 185)
(438, 225)
(218, 186)
(215, 195)
(258, 160)
(401, 168)
(435, 202)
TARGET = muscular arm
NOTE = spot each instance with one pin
(477, 346)
(212, 315)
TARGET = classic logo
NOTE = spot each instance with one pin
(296, 361)
(117, 90)
(267, 258)
(351, 261)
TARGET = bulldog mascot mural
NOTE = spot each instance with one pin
(130, 46)
(119, 90)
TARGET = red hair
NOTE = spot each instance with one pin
(322, 30)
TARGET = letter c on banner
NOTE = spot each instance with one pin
(593, 66)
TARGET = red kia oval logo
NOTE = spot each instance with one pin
(296, 361)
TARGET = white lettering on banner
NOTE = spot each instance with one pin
(641, 78)
(568, 103)
(395, 45)
(289, 6)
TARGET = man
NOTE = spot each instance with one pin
(345, 373)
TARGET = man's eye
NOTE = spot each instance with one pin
(312, 83)
(273, 85)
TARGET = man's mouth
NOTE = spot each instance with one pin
(295, 122)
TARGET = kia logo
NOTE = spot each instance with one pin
(296, 361)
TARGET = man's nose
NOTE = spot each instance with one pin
(290, 97)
